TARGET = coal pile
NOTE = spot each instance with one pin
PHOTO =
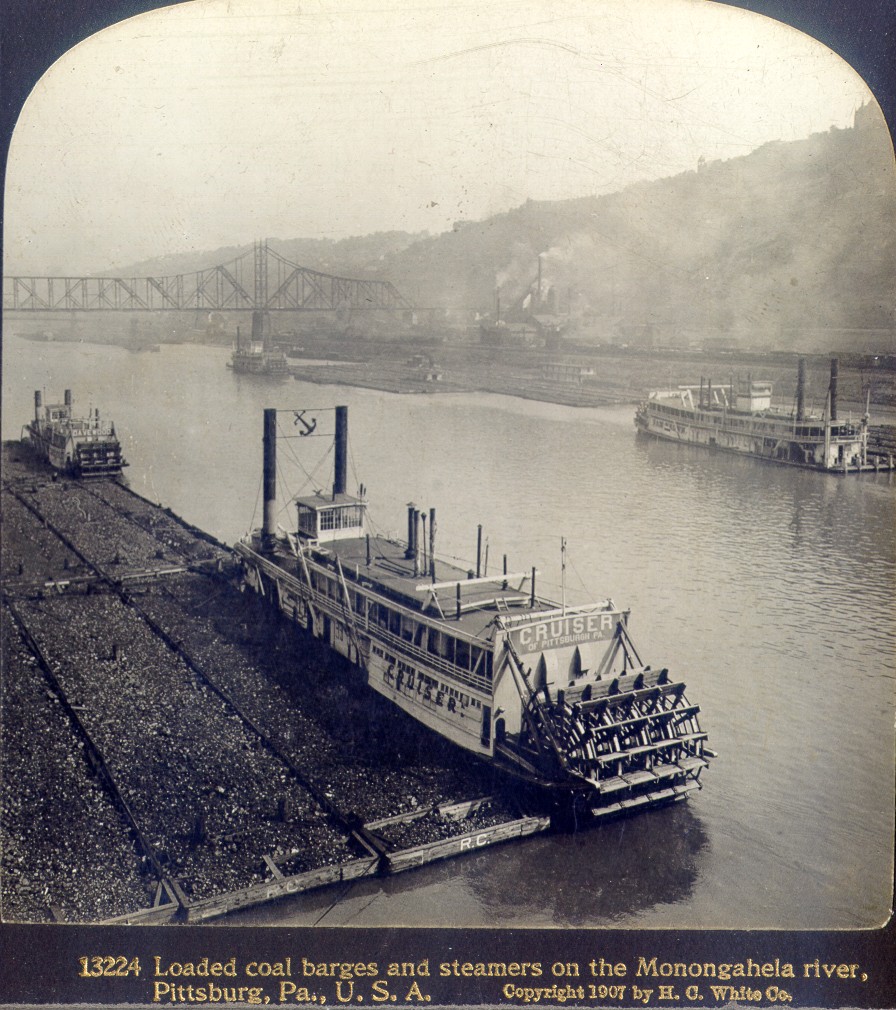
(204, 790)
(65, 845)
(364, 755)
(435, 826)
(230, 736)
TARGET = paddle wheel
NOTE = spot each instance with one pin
(626, 741)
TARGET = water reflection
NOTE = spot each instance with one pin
(768, 589)
(595, 878)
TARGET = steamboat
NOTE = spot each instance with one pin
(555, 696)
(77, 446)
(740, 418)
(258, 356)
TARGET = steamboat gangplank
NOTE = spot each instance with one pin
(554, 695)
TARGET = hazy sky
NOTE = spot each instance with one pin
(216, 122)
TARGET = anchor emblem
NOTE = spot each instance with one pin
(300, 419)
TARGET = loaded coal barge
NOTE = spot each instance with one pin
(555, 696)
(77, 446)
(740, 418)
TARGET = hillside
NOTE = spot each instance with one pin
(770, 248)
(791, 245)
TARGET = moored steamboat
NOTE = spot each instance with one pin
(78, 446)
(740, 418)
(258, 356)
(557, 696)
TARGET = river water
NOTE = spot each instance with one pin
(769, 590)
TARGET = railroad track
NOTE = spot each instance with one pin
(169, 888)
(350, 822)
(331, 839)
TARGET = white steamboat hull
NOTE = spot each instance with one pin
(456, 712)
(837, 456)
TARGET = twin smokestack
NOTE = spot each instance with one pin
(801, 389)
(269, 525)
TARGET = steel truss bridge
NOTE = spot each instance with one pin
(261, 279)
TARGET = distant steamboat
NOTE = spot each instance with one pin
(741, 419)
(554, 695)
(77, 446)
(258, 356)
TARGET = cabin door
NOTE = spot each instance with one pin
(486, 725)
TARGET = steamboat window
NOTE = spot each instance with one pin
(306, 520)
(462, 655)
(346, 517)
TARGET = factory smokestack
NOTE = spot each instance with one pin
(835, 371)
(38, 401)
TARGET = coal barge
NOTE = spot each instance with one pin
(740, 418)
(77, 446)
(555, 696)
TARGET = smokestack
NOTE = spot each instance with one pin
(432, 544)
(68, 398)
(801, 390)
(478, 550)
(411, 550)
(411, 512)
(339, 468)
(38, 401)
(417, 515)
(261, 333)
(835, 371)
(269, 529)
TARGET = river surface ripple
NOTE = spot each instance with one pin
(769, 590)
